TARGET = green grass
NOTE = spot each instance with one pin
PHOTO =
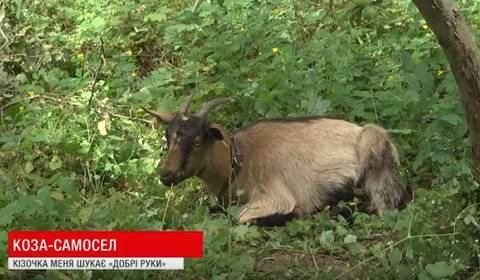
(65, 164)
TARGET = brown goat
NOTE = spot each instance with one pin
(287, 168)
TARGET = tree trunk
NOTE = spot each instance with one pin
(457, 41)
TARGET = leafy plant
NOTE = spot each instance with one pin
(77, 153)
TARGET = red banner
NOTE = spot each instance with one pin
(114, 244)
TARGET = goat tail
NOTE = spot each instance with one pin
(383, 185)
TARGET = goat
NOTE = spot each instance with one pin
(286, 167)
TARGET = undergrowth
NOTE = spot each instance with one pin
(76, 152)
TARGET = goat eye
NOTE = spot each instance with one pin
(197, 142)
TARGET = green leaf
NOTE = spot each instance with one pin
(116, 138)
(327, 237)
(452, 119)
(441, 156)
(98, 24)
(239, 192)
(57, 195)
(405, 131)
(149, 165)
(159, 15)
(241, 231)
(253, 233)
(361, 2)
(44, 197)
(407, 62)
(318, 107)
(469, 220)
(10, 146)
(409, 254)
(438, 270)
(67, 185)
(31, 205)
(125, 152)
(55, 163)
(84, 147)
(395, 257)
(350, 239)
(70, 147)
(85, 214)
(244, 263)
(7, 213)
(28, 167)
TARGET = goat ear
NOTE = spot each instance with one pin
(160, 117)
(215, 131)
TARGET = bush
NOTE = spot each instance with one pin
(76, 152)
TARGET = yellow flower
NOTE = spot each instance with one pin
(30, 93)
(391, 78)
(440, 72)
(129, 52)
(134, 74)
(275, 50)
(277, 11)
(80, 56)
(425, 26)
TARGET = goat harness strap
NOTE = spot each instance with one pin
(235, 165)
(235, 158)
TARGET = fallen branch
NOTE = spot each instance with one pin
(38, 96)
(8, 105)
(130, 118)
(300, 252)
(103, 61)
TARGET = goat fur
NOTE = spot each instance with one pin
(302, 166)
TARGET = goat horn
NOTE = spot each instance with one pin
(211, 105)
(186, 104)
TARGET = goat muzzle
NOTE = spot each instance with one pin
(168, 178)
